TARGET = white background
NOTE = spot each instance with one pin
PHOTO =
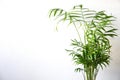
(31, 49)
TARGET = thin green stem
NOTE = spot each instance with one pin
(85, 27)
(77, 31)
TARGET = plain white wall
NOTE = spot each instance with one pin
(30, 48)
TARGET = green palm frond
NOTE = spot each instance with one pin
(77, 14)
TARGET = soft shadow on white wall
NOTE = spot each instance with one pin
(30, 48)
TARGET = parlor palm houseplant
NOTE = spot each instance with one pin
(93, 50)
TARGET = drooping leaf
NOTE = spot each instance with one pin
(78, 69)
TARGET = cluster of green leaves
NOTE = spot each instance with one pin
(94, 52)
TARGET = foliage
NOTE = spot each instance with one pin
(94, 52)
